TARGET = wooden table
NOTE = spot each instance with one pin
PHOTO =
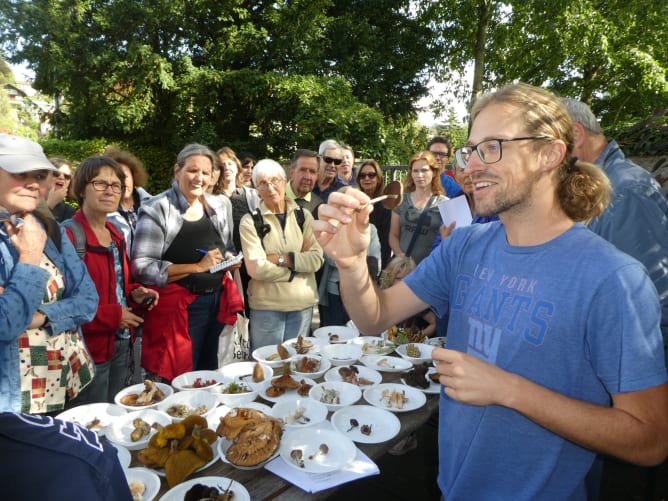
(264, 485)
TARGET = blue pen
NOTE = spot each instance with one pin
(202, 251)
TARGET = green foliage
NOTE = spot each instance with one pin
(648, 137)
(261, 76)
(158, 162)
(611, 54)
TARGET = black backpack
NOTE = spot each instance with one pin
(262, 228)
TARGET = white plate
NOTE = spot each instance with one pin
(348, 394)
(86, 414)
(243, 372)
(327, 333)
(236, 399)
(223, 444)
(216, 456)
(314, 412)
(124, 456)
(288, 393)
(396, 364)
(261, 355)
(384, 425)
(342, 353)
(342, 450)
(120, 430)
(433, 388)
(221, 411)
(437, 342)
(150, 480)
(138, 388)
(424, 349)
(317, 343)
(372, 345)
(178, 492)
(185, 381)
(192, 400)
(374, 396)
(323, 366)
(362, 372)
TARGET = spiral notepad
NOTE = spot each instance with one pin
(226, 264)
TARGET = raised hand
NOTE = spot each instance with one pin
(343, 232)
(28, 239)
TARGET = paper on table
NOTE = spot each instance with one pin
(360, 467)
(456, 209)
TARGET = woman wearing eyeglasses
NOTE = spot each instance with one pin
(370, 181)
(181, 234)
(97, 186)
(55, 198)
(281, 256)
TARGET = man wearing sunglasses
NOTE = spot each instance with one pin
(331, 155)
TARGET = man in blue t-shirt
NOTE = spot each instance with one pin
(554, 342)
(46, 458)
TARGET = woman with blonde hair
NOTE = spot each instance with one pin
(416, 221)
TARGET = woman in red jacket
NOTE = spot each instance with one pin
(98, 184)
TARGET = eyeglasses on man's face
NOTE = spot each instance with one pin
(441, 154)
(330, 160)
(117, 188)
(369, 175)
(490, 151)
(274, 182)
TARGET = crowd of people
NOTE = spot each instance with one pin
(555, 297)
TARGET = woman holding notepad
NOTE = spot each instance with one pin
(181, 234)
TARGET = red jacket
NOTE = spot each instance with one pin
(100, 333)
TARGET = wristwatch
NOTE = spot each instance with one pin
(281, 260)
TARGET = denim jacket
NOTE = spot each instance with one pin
(24, 286)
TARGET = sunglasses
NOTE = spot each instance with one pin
(369, 175)
(66, 176)
(330, 160)
(438, 154)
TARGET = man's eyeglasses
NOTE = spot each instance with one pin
(490, 151)
(330, 160)
(369, 175)
(274, 182)
(59, 174)
(439, 154)
(103, 185)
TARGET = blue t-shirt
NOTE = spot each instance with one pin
(574, 315)
(46, 458)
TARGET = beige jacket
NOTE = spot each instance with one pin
(278, 288)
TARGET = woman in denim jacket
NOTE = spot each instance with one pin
(28, 239)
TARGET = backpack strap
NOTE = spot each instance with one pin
(79, 235)
(299, 214)
(260, 227)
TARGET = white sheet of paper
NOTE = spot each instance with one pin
(362, 466)
(456, 209)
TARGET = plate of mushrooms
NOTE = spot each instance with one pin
(365, 424)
